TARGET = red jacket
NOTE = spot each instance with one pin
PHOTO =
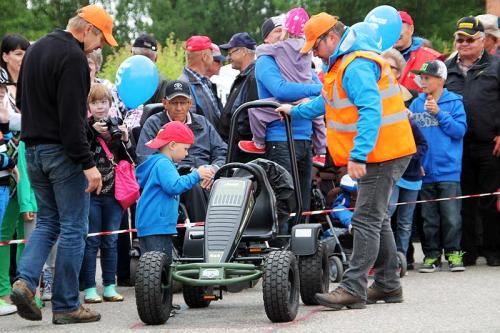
(417, 59)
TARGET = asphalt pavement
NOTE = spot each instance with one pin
(437, 302)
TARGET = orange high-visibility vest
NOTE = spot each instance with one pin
(395, 138)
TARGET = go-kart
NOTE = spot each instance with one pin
(234, 248)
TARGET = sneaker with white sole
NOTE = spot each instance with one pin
(455, 261)
(6, 308)
(430, 265)
(46, 291)
(250, 147)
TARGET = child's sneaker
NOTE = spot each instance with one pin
(91, 296)
(46, 291)
(430, 265)
(250, 147)
(455, 261)
(110, 294)
(7, 308)
(319, 161)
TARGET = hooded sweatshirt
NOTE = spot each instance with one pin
(158, 206)
(444, 133)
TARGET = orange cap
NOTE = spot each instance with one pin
(98, 17)
(315, 27)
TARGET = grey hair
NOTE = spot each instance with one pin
(77, 23)
(397, 57)
(145, 52)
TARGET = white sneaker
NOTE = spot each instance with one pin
(46, 291)
(6, 308)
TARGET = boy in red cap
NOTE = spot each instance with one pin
(158, 207)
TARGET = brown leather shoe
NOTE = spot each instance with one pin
(377, 294)
(81, 315)
(24, 299)
(339, 298)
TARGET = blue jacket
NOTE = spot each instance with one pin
(444, 133)
(270, 83)
(360, 83)
(158, 207)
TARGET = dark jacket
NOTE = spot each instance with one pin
(243, 89)
(7, 163)
(481, 95)
(52, 92)
(208, 147)
(413, 171)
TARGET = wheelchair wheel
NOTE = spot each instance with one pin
(193, 296)
(336, 269)
(152, 290)
(314, 275)
(402, 264)
(280, 286)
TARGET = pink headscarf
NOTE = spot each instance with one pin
(295, 20)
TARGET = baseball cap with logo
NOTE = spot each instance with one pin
(405, 17)
(316, 26)
(435, 68)
(146, 41)
(490, 24)
(240, 39)
(99, 18)
(172, 131)
(469, 26)
(177, 88)
(198, 43)
(4, 78)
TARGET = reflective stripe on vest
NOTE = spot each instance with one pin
(386, 120)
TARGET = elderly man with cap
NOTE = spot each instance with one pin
(52, 92)
(218, 61)
(475, 74)
(491, 31)
(241, 54)
(367, 130)
(413, 51)
(208, 149)
(199, 56)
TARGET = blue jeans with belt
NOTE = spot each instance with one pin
(63, 209)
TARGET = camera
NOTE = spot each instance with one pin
(112, 123)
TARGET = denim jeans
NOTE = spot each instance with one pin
(278, 152)
(161, 243)
(105, 214)
(404, 215)
(63, 208)
(373, 240)
(442, 220)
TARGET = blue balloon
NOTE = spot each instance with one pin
(136, 80)
(370, 30)
(388, 23)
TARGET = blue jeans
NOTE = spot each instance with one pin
(404, 215)
(63, 208)
(373, 240)
(105, 214)
(442, 220)
(161, 243)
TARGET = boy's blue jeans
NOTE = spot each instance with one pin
(105, 214)
(160, 243)
(404, 215)
(63, 208)
(442, 220)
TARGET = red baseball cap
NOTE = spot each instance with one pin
(172, 131)
(198, 43)
(405, 17)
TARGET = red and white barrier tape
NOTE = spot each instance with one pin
(314, 212)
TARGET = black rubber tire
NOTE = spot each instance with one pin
(134, 265)
(193, 296)
(336, 269)
(402, 264)
(314, 275)
(280, 286)
(153, 300)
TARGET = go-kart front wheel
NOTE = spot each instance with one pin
(280, 286)
(153, 295)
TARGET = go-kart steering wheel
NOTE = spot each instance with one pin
(256, 177)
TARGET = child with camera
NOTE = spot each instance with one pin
(109, 144)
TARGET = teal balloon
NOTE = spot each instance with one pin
(369, 30)
(388, 23)
(136, 80)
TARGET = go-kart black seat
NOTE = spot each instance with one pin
(263, 223)
(149, 110)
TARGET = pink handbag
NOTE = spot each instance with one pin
(126, 187)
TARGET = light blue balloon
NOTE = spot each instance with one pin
(370, 30)
(136, 80)
(388, 23)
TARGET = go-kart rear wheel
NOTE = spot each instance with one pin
(402, 264)
(193, 296)
(314, 275)
(336, 269)
(153, 295)
(280, 286)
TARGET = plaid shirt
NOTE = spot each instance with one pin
(207, 87)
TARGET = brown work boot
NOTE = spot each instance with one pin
(339, 298)
(24, 299)
(376, 294)
(81, 315)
